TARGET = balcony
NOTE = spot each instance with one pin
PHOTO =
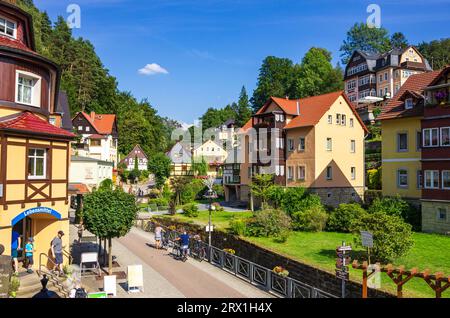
(438, 95)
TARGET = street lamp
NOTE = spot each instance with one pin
(210, 194)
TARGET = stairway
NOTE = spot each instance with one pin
(30, 284)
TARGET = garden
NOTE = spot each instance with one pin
(295, 224)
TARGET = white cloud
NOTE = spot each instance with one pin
(152, 69)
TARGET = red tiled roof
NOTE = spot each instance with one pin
(103, 123)
(415, 83)
(29, 122)
(78, 188)
(312, 109)
(95, 136)
(15, 44)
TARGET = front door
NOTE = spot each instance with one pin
(23, 227)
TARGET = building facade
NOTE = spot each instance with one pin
(402, 139)
(34, 149)
(136, 154)
(181, 159)
(99, 136)
(436, 155)
(303, 147)
(89, 171)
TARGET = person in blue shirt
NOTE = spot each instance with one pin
(184, 242)
(29, 250)
(15, 247)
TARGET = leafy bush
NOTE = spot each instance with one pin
(159, 201)
(106, 184)
(219, 190)
(218, 207)
(238, 226)
(198, 187)
(341, 219)
(312, 219)
(133, 175)
(276, 195)
(398, 207)
(374, 179)
(392, 237)
(190, 210)
(292, 198)
(270, 222)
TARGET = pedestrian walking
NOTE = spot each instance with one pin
(57, 252)
(15, 247)
(158, 235)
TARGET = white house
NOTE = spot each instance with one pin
(89, 171)
(136, 154)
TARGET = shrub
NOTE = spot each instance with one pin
(106, 184)
(198, 188)
(341, 219)
(292, 198)
(275, 196)
(159, 201)
(270, 222)
(218, 207)
(374, 179)
(219, 190)
(313, 219)
(190, 210)
(398, 207)
(392, 237)
(238, 226)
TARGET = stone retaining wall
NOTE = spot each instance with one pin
(5, 275)
(256, 254)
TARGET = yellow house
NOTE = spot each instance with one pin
(320, 146)
(34, 150)
(402, 140)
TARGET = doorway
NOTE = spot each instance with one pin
(24, 228)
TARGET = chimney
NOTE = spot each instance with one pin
(298, 106)
(287, 97)
(93, 115)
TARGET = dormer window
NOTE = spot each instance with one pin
(28, 89)
(7, 28)
(409, 103)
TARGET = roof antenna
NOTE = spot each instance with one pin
(298, 106)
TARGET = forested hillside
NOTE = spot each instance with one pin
(91, 87)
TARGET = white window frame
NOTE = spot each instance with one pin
(290, 173)
(300, 148)
(329, 176)
(14, 36)
(35, 90)
(88, 128)
(300, 177)
(351, 122)
(343, 120)
(442, 176)
(353, 173)
(35, 157)
(329, 144)
(330, 119)
(424, 135)
(353, 146)
(440, 138)
(398, 178)
(409, 103)
(398, 142)
(432, 179)
(291, 144)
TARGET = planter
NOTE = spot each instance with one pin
(280, 271)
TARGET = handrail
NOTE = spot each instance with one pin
(253, 273)
(67, 254)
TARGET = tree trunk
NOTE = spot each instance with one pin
(110, 255)
(104, 252)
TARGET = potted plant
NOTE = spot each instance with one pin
(441, 97)
(281, 271)
(229, 251)
(14, 286)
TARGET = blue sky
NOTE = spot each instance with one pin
(210, 48)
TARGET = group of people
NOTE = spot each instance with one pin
(56, 247)
(183, 239)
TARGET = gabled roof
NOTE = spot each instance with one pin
(62, 108)
(136, 152)
(27, 122)
(312, 109)
(102, 123)
(415, 83)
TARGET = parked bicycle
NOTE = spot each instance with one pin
(180, 252)
(198, 248)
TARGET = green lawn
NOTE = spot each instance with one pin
(318, 249)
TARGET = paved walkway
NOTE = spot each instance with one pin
(167, 277)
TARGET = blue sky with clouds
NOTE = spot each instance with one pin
(188, 55)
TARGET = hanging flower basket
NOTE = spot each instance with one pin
(281, 271)
(441, 97)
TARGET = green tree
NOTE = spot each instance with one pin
(136, 163)
(342, 218)
(261, 188)
(178, 185)
(316, 75)
(244, 111)
(399, 41)
(362, 37)
(275, 79)
(437, 52)
(111, 220)
(106, 184)
(160, 166)
(199, 167)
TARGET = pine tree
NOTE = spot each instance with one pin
(244, 111)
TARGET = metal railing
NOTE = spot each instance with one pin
(253, 273)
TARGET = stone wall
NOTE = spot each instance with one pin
(335, 196)
(430, 222)
(302, 272)
(5, 274)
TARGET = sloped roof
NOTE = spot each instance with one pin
(62, 107)
(136, 152)
(27, 122)
(103, 123)
(14, 44)
(312, 109)
(415, 83)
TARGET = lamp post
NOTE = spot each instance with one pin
(210, 194)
